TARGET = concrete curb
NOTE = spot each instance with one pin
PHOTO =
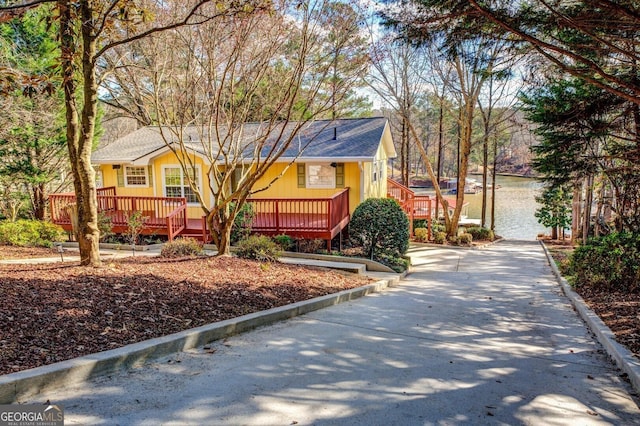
(625, 360)
(27, 383)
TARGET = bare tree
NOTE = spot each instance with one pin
(237, 91)
(397, 76)
(88, 29)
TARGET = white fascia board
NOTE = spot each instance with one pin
(387, 140)
(146, 159)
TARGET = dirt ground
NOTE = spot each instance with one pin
(619, 311)
(57, 311)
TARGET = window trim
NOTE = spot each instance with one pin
(308, 183)
(182, 181)
(136, 185)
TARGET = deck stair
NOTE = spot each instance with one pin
(415, 206)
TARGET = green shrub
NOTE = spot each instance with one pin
(438, 227)
(609, 263)
(104, 226)
(283, 241)
(465, 239)
(135, 226)
(398, 264)
(28, 233)
(241, 228)
(381, 227)
(439, 237)
(420, 223)
(258, 247)
(421, 234)
(481, 234)
(182, 247)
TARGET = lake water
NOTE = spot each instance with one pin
(515, 207)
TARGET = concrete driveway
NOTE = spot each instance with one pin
(469, 337)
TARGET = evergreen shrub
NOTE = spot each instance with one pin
(439, 237)
(609, 263)
(283, 241)
(421, 234)
(30, 233)
(481, 234)
(381, 227)
(465, 239)
(241, 228)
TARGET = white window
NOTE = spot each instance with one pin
(383, 168)
(177, 185)
(135, 176)
(374, 169)
(321, 176)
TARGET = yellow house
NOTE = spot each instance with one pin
(326, 158)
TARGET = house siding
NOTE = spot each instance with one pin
(377, 189)
(287, 186)
(156, 189)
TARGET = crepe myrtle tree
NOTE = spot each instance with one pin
(87, 30)
(268, 68)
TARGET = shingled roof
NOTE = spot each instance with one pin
(355, 139)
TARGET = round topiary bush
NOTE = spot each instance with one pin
(465, 239)
(440, 237)
(421, 234)
(381, 227)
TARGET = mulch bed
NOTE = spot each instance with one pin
(53, 312)
(10, 253)
(619, 311)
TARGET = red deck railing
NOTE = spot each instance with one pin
(296, 217)
(415, 206)
(160, 214)
(301, 217)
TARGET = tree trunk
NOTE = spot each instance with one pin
(575, 211)
(404, 155)
(80, 135)
(485, 166)
(493, 185)
(440, 143)
(588, 200)
(464, 150)
(39, 200)
(439, 198)
(220, 231)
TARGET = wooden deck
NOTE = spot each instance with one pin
(306, 218)
(299, 218)
(415, 206)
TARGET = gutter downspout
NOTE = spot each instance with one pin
(361, 167)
